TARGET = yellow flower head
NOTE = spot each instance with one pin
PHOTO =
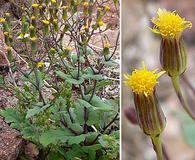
(33, 17)
(65, 7)
(100, 23)
(86, 4)
(40, 64)
(31, 27)
(45, 22)
(2, 20)
(7, 14)
(35, 5)
(169, 24)
(107, 45)
(86, 27)
(107, 7)
(8, 48)
(53, 1)
(143, 81)
(68, 49)
(33, 39)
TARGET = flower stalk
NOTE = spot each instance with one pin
(176, 84)
(156, 141)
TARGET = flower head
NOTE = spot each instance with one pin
(40, 64)
(86, 4)
(45, 22)
(35, 5)
(68, 49)
(100, 23)
(2, 20)
(169, 24)
(143, 81)
(107, 45)
(33, 39)
(107, 7)
(53, 1)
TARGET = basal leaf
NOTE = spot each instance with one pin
(11, 115)
(76, 139)
(53, 136)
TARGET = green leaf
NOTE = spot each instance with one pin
(76, 127)
(84, 103)
(91, 150)
(74, 58)
(36, 110)
(55, 156)
(53, 136)
(40, 79)
(2, 82)
(76, 139)
(79, 111)
(92, 76)
(69, 79)
(32, 112)
(75, 153)
(91, 137)
(30, 133)
(99, 103)
(11, 115)
(93, 117)
(110, 63)
(103, 142)
(100, 85)
(67, 64)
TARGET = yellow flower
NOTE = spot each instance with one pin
(65, 7)
(169, 24)
(6, 33)
(100, 23)
(45, 22)
(86, 27)
(31, 27)
(2, 20)
(107, 7)
(35, 5)
(86, 4)
(68, 49)
(53, 1)
(143, 81)
(8, 48)
(33, 39)
(99, 9)
(107, 45)
(40, 64)
(55, 20)
(33, 17)
(7, 14)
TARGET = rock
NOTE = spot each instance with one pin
(10, 142)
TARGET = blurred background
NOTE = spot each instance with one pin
(138, 44)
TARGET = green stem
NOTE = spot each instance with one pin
(157, 145)
(176, 84)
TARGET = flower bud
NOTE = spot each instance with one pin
(173, 56)
(55, 25)
(149, 113)
(64, 12)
